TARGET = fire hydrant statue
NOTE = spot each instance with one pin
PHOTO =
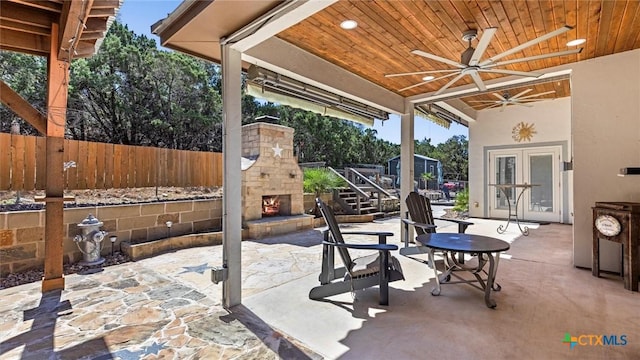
(91, 240)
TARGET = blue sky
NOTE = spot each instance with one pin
(139, 15)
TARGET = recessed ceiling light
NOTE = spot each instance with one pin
(576, 42)
(349, 24)
(427, 78)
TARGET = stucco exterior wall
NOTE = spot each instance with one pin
(606, 137)
(492, 130)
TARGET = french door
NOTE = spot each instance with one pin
(539, 166)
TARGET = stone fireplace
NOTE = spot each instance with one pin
(270, 175)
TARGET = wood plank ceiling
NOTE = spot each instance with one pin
(25, 25)
(388, 31)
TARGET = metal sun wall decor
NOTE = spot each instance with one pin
(523, 131)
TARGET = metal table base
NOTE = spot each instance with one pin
(513, 212)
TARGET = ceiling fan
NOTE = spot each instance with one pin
(472, 65)
(518, 99)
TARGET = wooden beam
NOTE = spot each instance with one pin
(101, 4)
(28, 42)
(22, 108)
(39, 4)
(96, 24)
(103, 13)
(20, 27)
(57, 91)
(22, 51)
(25, 15)
(84, 49)
(72, 22)
(91, 35)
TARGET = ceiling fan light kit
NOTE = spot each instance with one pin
(471, 62)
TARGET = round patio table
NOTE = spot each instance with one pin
(484, 247)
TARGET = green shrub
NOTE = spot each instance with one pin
(319, 180)
(427, 177)
(462, 201)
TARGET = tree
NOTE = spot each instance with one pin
(454, 156)
(427, 177)
(26, 75)
(132, 93)
(424, 147)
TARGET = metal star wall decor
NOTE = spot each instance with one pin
(277, 151)
(523, 131)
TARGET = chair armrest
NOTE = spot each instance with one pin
(462, 225)
(371, 233)
(420, 225)
(456, 221)
(382, 235)
(379, 247)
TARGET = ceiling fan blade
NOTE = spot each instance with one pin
(516, 96)
(483, 101)
(527, 44)
(492, 106)
(537, 57)
(511, 72)
(527, 105)
(476, 79)
(449, 84)
(504, 105)
(438, 58)
(428, 81)
(421, 72)
(534, 100)
(487, 35)
(502, 98)
(539, 94)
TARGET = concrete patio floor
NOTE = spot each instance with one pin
(167, 307)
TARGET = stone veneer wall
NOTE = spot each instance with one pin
(22, 232)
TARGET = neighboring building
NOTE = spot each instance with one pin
(421, 164)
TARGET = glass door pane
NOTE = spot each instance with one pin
(541, 173)
(541, 167)
(505, 173)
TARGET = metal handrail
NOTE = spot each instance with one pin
(353, 186)
(373, 184)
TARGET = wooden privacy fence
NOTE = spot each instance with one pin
(105, 166)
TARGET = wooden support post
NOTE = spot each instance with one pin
(57, 87)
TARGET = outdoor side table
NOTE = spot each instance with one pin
(513, 212)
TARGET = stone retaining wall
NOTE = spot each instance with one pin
(22, 232)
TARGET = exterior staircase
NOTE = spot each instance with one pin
(353, 204)
(358, 198)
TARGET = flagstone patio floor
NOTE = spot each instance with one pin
(167, 307)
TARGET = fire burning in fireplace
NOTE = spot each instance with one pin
(270, 206)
